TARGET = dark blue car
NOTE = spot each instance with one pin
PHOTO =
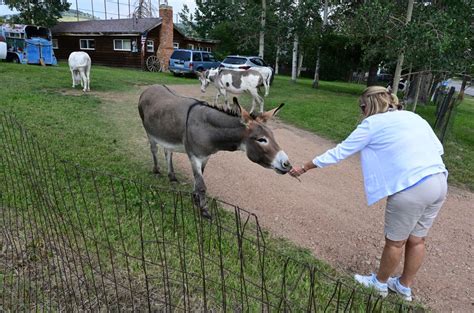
(185, 61)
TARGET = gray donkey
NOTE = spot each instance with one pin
(181, 124)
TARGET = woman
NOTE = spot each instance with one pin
(401, 159)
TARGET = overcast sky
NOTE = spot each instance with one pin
(112, 8)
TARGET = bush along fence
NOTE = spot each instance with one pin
(74, 239)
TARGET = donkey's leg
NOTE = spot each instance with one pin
(83, 80)
(73, 79)
(261, 103)
(226, 99)
(169, 161)
(256, 98)
(216, 103)
(203, 165)
(88, 78)
(199, 193)
(154, 150)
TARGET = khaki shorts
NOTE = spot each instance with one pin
(412, 211)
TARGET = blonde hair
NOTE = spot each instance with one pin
(377, 99)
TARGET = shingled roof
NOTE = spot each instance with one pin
(128, 25)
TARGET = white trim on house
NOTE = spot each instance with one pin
(122, 41)
(54, 43)
(88, 45)
(175, 45)
(150, 46)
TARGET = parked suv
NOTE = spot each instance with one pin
(184, 61)
(242, 62)
(245, 63)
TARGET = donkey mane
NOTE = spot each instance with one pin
(206, 104)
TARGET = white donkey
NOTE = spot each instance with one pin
(236, 82)
(80, 66)
(267, 73)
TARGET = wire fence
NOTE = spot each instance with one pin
(446, 104)
(74, 239)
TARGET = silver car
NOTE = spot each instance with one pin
(246, 62)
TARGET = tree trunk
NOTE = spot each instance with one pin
(277, 58)
(261, 42)
(417, 93)
(372, 79)
(316, 69)
(408, 83)
(294, 63)
(300, 64)
(401, 57)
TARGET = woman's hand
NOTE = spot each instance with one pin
(297, 171)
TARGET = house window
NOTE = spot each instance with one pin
(175, 45)
(122, 45)
(87, 44)
(208, 49)
(150, 46)
(190, 46)
(55, 43)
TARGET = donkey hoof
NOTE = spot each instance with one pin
(172, 178)
(156, 171)
(205, 214)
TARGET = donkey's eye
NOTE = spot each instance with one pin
(262, 140)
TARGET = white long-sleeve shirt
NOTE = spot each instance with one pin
(398, 149)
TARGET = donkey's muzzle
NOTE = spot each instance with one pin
(281, 164)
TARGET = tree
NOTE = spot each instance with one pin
(318, 57)
(38, 12)
(261, 42)
(401, 56)
(187, 24)
(233, 23)
(305, 28)
(436, 38)
(375, 26)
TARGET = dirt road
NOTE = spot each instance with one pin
(327, 211)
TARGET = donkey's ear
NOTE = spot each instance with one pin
(265, 116)
(243, 113)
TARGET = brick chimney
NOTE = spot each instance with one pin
(165, 48)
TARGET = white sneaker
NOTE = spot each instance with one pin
(394, 285)
(372, 282)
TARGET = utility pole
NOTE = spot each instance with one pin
(401, 56)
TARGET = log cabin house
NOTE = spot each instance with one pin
(125, 42)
